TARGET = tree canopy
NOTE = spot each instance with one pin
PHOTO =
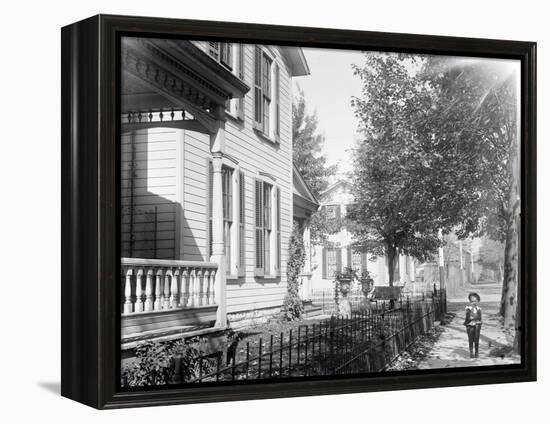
(307, 147)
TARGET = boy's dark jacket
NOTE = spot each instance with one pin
(472, 316)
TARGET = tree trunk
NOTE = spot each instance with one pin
(391, 253)
(510, 290)
(504, 278)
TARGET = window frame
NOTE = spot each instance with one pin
(266, 94)
(267, 229)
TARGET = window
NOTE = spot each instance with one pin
(333, 212)
(332, 262)
(228, 213)
(358, 260)
(263, 69)
(222, 53)
(267, 229)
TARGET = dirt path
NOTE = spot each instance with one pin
(451, 349)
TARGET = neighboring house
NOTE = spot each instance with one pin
(337, 253)
(208, 195)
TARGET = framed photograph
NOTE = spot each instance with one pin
(254, 211)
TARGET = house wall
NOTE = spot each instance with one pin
(249, 151)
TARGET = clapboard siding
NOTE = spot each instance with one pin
(148, 193)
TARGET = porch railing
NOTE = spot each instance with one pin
(157, 284)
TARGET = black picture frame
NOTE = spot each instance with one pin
(90, 209)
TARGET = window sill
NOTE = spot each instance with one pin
(262, 135)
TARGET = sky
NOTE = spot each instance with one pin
(328, 91)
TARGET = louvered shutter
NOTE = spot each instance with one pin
(242, 241)
(278, 223)
(325, 265)
(214, 49)
(277, 108)
(259, 229)
(349, 253)
(240, 74)
(258, 88)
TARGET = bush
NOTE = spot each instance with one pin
(155, 363)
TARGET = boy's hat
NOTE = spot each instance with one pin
(473, 294)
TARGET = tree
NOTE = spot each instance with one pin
(307, 146)
(307, 156)
(398, 179)
(477, 112)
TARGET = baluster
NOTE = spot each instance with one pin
(192, 289)
(176, 297)
(128, 292)
(206, 284)
(158, 292)
(139, 292)
(166, 297)
(149, 291)
(212, 297)
(199, 289)
(184, 288)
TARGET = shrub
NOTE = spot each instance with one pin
(155, 363)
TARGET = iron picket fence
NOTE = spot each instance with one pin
(367, 341)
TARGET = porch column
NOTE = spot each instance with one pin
(218, 248)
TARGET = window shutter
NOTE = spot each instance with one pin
(324, 254)
(240, 61)
(209, 207)
(258, 88)
(242, 241)
(214, 49)
(339, 260)
(259, 229)
(278, 247)
(240, 74)
(277, 108)
(350, 263)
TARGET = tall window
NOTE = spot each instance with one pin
(267, 226)
(221, 52)
(263, 96)
(332, 262)
(267, 229)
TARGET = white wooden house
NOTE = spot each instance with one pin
(337, 253)
(207, 183)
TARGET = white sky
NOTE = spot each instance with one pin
(328, 90)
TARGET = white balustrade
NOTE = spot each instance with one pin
(156, 284)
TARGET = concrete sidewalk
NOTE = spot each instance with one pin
(451, 349)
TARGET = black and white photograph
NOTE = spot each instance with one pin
(293, 212)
